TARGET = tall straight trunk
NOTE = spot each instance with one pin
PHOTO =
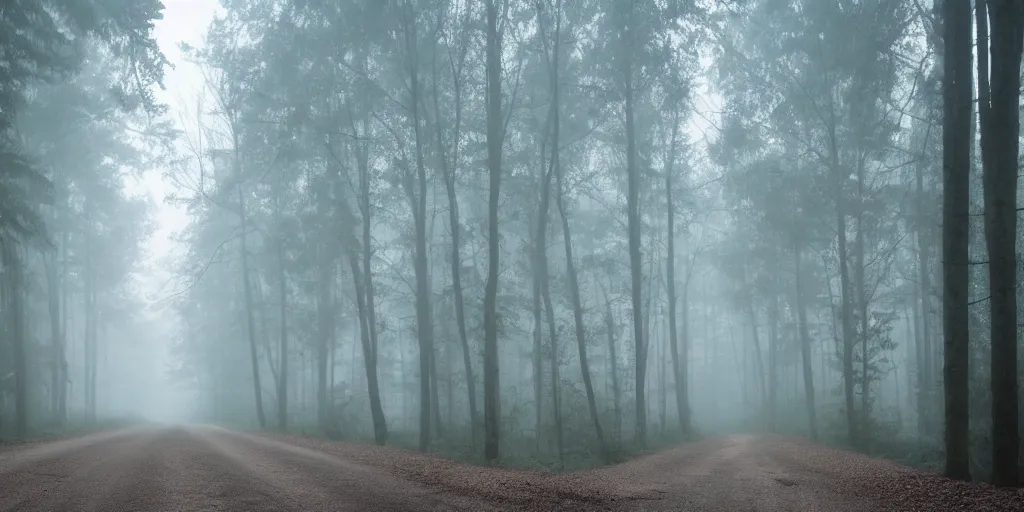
(609, 321)
(539, 270)
(553, 354)
(543, 289)
(682, 405)
(380, 427)
(1000, 128)
(261, 311)
(56, 343)
(492, 397)
(633, 218)
(435, 401)
(663, 381)
(805, 341)
(15, 295)
(920, 382)
(325, 335)
(741, 374)
(282, 298)
(53, 295)
(956, 167)
(89, 340)
(94, 347)
(363, 281)
(926, 381)
(846, 309)
(574, 284)
(773, 362)
(758, 355)
(449, 172)
(537, 356)
(416, 191)
(64, 294)
(247, 290)
(862, 304)
(758, 361)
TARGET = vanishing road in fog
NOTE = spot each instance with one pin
(212, 469)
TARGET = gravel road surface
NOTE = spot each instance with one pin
(199, 468)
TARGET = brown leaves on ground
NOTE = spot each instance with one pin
(732, 473)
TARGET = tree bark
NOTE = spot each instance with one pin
(633, 219)
(613, 366)
(574, 285)
(247, 290)
(956, 167)
(682, 407)
(282, 374)
(773, 362)
(449, 171)
(860, 273)
(846, 309)
(805, 342)
(325, 336)
(380, 428)
(492, 415)
(1000, 126)
(14, 272)
(416, 191)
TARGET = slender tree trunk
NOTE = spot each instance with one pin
(921, 373)
(64, 293)
(492, 414)
(613, 365)
(363, 280)
(663, 380)
(758, 362)
(682, 407)
(846, 312)
(14, 272)
(247, 290)
(56, 343)
(434, 394)
(773, 362)
(553, 353)
(89, 339)
(416, 190)
(282, 297)
(380, 428)
(633, 214)
(862, 304)
(539, 264)
(1000, 127)
(805, 342)
(574, 285)
(538, 351)
(456, 257)
(325, 336)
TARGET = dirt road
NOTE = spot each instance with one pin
(211, 469)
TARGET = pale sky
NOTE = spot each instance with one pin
(184, 21)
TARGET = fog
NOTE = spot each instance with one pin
(557, 234)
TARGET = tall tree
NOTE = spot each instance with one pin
(956, 170)
(495, 137)
(999, 98)
(414, 182)
(574, 284)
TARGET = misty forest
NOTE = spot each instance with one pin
(546, 233)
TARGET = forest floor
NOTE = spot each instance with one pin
(149, 468)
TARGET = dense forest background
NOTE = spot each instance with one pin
(554, 233)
